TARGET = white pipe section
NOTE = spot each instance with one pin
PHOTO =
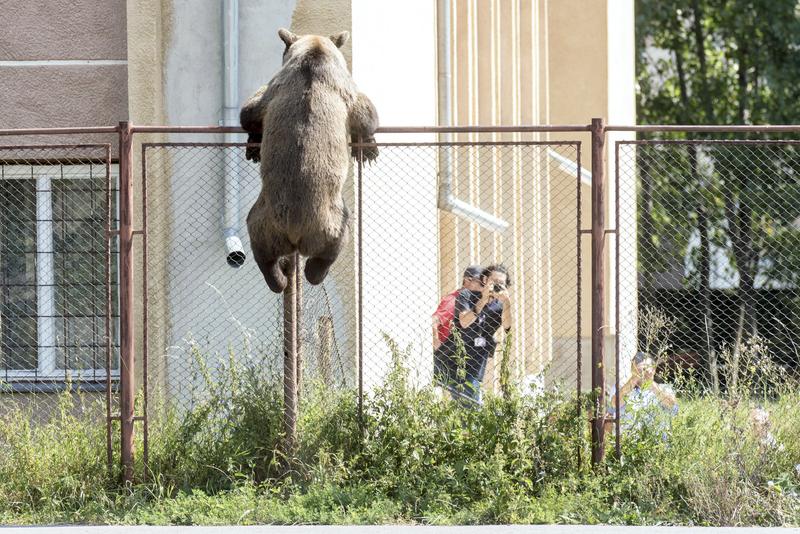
(468, 211)
(444, 89)
(45, 278)
(446, 199)
(570, 167)
(230, 117)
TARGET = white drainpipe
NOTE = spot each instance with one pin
(446, 199)
(230, 117)
(570, 167)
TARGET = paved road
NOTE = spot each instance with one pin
(392, 529)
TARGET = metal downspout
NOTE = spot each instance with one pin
(235, 255)
(446, 200)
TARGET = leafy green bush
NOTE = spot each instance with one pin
(415, 457)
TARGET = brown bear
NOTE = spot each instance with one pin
(302, 119)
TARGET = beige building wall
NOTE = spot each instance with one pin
(86, 63)
(514, 62)
(538, 62)
(578, 85)
(148, 30)
(63, 63)
(396, 68)
(176, 63)
(498, 80)
(622, 110)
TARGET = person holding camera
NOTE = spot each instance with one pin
(460, 362)
(642, 400)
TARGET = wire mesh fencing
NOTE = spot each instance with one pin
(206, 318)
(709, 235)
(466, 262)
(704, 235)
(58, 272)
(413, 230)
(431, 211)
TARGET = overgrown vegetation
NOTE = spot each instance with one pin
(418, 458)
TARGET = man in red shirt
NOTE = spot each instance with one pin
(443, 316)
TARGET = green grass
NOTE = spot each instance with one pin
(419, 459)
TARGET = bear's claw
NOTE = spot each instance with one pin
(367, 153)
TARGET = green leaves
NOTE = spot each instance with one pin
(743, 68)
(422, 459)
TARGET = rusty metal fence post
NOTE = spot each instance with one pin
(579, 404)
(598, 289)
(109, 304)
(298, 359)
(290, 357)
(145, 297)
(617, 233)
(127, 361)
(360, 289)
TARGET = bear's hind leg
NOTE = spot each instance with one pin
(273, 262)
(323, 253)
(317, 267)
(285, 263)
(273, 274)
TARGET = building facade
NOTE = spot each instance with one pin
(511, 62)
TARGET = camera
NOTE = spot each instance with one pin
(498, 288)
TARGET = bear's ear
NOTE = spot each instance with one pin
(340, 39)
(287, 37)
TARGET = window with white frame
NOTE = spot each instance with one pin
(53, 271)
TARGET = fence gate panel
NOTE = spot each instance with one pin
(707, 260)
(420, 214)
(429, 210)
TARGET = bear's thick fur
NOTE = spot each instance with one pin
(302, 118)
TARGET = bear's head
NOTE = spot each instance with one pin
(313, 45)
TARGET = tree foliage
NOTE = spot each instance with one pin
(739, 61)
(720, 62)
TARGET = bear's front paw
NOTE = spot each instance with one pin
(253, 150)
(367, 151)
(253, 153)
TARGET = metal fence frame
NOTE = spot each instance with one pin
(127, 135)
(292, 297)
(701, 131)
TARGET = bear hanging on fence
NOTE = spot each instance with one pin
(302, 118)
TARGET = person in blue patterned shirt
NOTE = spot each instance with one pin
(642, 400)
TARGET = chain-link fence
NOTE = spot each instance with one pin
(413, 230)
(494, 203)
(205, 314)
(700, 269)
(711, 230)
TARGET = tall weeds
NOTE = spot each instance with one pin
(415, 457)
